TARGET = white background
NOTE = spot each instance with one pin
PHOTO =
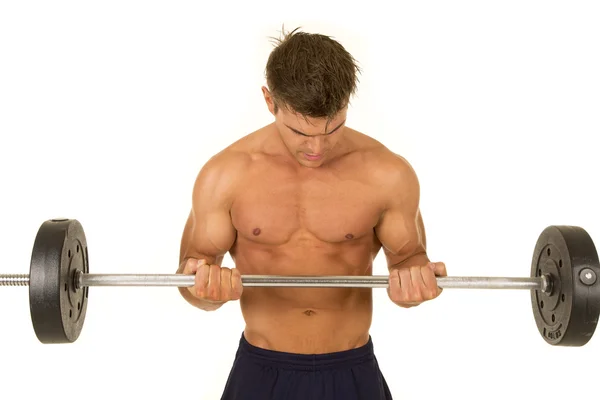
(109, 109)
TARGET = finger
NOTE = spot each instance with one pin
(201, 280)
(405, 284)
(418, 284)
(431, 289)
(394, 288)
(236, 284)
(225, 290)
(214, 282)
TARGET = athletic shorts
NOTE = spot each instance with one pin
(260, 374)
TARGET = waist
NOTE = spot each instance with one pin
(298, 361)
(299, 328)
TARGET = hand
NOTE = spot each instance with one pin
(213, 283)
(409, 287)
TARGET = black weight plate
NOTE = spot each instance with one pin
(568, 315)
(57, 307)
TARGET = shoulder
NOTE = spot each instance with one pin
(235, 159)
(391, 174)
(222, 172)
(226, 163)
(384, 165)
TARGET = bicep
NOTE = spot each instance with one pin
(207, 235)
(209, 232)
(401, 230)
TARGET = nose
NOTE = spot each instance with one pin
(316, 144)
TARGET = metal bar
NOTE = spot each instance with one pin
(381, 281)
(378, 281)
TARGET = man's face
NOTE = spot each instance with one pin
(310, 141)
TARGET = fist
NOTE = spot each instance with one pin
(409, 287)
(213, 283)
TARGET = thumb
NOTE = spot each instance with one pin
(438, 268)
(191, 266)
(199, 264)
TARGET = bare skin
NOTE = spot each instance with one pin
(279, 212)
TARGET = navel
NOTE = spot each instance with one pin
(349, 236)
(256, 231)
(308, 313)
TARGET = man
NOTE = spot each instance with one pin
(306, 195)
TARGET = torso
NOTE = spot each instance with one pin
(318, 221)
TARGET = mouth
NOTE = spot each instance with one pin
(313, 157)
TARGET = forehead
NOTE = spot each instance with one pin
(312, 126)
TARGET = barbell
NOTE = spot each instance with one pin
(564, 284)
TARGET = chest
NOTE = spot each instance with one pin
(277, 206)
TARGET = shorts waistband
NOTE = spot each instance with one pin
(308, 361)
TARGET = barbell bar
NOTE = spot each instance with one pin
(377, 281)
(564, 284)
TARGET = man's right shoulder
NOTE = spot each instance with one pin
(239, 155)
(222, 174)
(226, 170)
(229, 164)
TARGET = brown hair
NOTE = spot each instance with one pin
(311, 74)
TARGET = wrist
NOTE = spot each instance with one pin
(419, 259)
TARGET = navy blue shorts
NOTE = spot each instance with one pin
(260, 374)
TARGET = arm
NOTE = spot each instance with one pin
(209, 232)
(401, 230)
(402, 234)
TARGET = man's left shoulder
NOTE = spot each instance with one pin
(387, 165)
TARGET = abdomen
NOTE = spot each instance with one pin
(305, 319)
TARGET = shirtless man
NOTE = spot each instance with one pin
(306, 195)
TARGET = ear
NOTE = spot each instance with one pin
(269, 100)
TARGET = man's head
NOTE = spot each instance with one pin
(310, 79)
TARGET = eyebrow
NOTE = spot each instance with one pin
(328, 133)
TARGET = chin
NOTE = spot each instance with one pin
(310, 164)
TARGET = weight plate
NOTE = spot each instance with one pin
(57, 307)
(568, 315)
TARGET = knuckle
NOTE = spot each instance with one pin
(198, 292)
(416, 296)
(225, 273)
(406, 296)
(213, 293)
(201, 279)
